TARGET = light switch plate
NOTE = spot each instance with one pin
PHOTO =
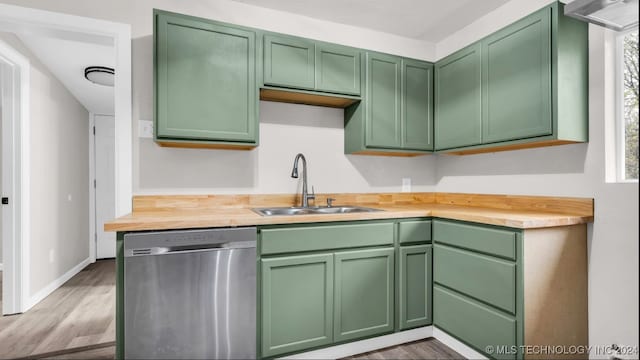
(406, 184)
(145, 129)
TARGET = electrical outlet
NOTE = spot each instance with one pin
(145, 129)
(406, 184)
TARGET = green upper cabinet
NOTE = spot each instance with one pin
(395, 116)
(289, 62)
(414, 288)
(417, 105)
(458, 100)
(516, 74)
(303, 66)
(337, 69)
(524, 86)
(383, 101)
(296, 303)
(205, 82)
(364, 293)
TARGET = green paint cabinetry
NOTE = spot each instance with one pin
(205, 82)
(289, 62)
(414, 286)
(525, 85)
(302, 64)
(458, 109)
(364, 293)
(478, 290)
(516, 76)
(327, 292)
(296, 303)
(395, 116)
(338, 69)
(383, 128)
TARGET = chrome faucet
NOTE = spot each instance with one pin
(294, 174)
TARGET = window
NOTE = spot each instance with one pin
(627, 104)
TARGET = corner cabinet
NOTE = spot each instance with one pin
(521, 87)
(500, 290)
(395, 116)
(205, 83)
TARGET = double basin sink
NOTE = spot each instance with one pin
(275, 211)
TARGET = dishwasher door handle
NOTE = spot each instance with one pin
(160, 250)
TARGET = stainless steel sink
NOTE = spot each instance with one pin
(275, 211)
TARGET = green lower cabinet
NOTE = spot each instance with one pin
(364, 293)
(474, 323)
(296, 303)
(414, 288)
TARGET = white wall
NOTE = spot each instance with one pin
(59, 170)
(569, 170)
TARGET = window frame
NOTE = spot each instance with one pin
(620, 143)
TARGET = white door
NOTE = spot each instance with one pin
(105, 148)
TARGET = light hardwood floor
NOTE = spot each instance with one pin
(78, 314)
(77, 321)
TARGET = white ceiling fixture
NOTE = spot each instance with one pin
(426, 20)
(100, 75)
(68, 59)
(618, 15)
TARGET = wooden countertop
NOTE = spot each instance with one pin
(186, 212)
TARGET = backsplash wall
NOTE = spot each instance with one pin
(285, 130)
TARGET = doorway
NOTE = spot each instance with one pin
(18, 247)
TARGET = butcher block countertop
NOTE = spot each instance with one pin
(167, 212)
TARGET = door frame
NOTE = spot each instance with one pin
(69, 27)
(15, 148)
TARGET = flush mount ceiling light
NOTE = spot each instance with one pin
(618, 15)
(100, 75)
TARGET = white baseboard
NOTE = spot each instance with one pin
(455, 344)
(44, 292)
(380, 342)
(363, 346)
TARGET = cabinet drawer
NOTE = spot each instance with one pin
(472, 322)
(312, 238)
(483, 277)
(492, 241)
(414, 231)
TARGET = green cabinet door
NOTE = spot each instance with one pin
(289, 62)
(383, 122)
(364, 293)
(415, 276)
(205, 83)
(458, 99)
(516, 74)
(337, 69)
(296, 303)
(417, 105)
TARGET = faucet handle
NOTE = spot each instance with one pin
(330, 202)
(313, 193)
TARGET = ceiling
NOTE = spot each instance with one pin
(427, 20)
(67, 59)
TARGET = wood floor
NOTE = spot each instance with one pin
(78, 314)
(421, 349)
(77, 321)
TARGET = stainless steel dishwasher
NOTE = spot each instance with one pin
(190, 294)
